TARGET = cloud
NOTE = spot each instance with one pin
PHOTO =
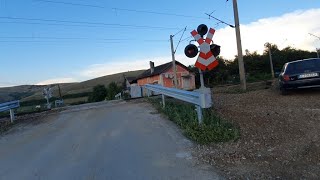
(117, 66)
(7, 84)
(287, 30)
(57, 80)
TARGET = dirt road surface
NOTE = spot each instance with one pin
(118, 140)
(279, 135)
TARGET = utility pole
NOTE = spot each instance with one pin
(317, 50)
(173, 63)
(239, 46)
(59, 92)
(271, 63)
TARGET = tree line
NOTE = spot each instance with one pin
(257, 66)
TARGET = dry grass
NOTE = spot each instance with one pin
(75, 100)
(86, 86)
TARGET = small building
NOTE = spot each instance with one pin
(132, 87)
(164, 75)
(130, 81)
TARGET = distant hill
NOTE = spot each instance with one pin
(18, 92)
(23, 91)
(85, 86)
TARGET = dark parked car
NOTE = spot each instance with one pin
(300, 74)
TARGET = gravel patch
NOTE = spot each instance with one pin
(279, 135)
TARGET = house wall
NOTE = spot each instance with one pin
(168, 82)
(149, 80)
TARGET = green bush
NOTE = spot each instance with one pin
(76, 95)
(259, 77)
(99, 93)
(37, 102)
(213, 129)
(112, 90)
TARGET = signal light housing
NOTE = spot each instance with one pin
(202, 29)
(191, 51)
(215, 49)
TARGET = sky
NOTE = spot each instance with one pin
(56, 41)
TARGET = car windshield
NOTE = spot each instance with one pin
(303, 66)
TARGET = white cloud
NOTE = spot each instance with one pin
(7, 84)
(287, 30)
(97, 70)
(56, 80)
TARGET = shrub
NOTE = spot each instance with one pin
(99, 93)
(213, 129)
(113, 89)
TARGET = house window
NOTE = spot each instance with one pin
(178, 82)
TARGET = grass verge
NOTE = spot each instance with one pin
(214, 129)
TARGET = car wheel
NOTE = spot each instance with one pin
(283, 91)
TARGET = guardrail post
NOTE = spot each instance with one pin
(163, 101)
(11, 115)
(199, 112)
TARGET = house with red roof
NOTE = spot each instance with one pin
(164, 75)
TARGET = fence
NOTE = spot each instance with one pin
(10, 106)
(201, 98)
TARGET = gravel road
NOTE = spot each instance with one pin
(279, 135)
(115, 140)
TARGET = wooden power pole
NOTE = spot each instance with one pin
(239, 46)
(173, 63)
(271, 63)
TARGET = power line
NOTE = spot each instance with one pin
(81, 38)
(187, 38)
(178, 32)
(210, 16)
(70, 3)
(87, 23)
(314, 35)
(71, 25)
(120, 9)
(158, 13)
(180, 39)
(29, 41)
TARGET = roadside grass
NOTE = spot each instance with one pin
(237, 89)
(214, 129)
(5, 126)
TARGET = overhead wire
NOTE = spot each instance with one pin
(187, 38)
(87, 23)
(80, 38)
(180, 39)
(210, 16)
(70, 3)
(120, 9)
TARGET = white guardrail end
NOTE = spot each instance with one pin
(200, 97)
(9, 106)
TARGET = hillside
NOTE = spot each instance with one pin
(18, 92)
(23, 91)
(86, 86)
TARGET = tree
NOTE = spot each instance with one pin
(99, 93)
(113, 89)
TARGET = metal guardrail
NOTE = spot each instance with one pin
(201, 97)
(10, 106)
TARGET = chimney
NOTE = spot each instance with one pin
(151, 67)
